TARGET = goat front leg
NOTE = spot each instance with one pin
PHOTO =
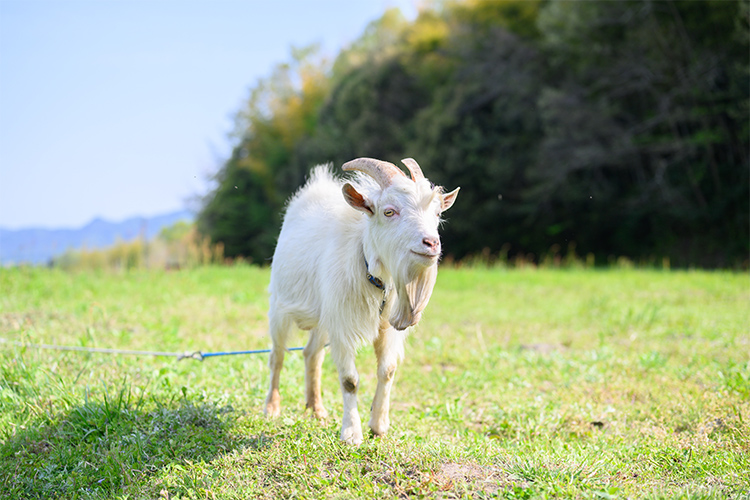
(389, 348)
(314, 354)
(351, 425)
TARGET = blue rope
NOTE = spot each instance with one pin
(198, 355)
(234, 353)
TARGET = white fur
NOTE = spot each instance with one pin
(319, 281)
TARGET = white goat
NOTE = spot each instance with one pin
(354, 269)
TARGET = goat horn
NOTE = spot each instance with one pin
(382, 171)
(413, 166)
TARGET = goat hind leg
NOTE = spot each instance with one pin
(314, 354)
(279, 330)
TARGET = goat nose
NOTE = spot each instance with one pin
(431, 243)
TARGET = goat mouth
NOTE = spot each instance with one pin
(429, 256)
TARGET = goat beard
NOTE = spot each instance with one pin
(413, 296)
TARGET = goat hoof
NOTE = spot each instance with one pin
(351, 437)
(273, 404)
(379, 429)
(273, 409)
(318, 411)
(354, 441)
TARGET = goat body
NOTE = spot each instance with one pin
(335, 235)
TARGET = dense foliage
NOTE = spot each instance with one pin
(615, 128)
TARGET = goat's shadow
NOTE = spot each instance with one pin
(104, 448)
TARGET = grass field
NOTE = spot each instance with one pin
(530, 383)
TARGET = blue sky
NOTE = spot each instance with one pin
(121, 108)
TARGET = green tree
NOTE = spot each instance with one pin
(645, 122)
(479, 132)
(619, 126)
(243, 210)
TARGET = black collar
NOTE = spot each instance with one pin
(372, 279)
(378, 283)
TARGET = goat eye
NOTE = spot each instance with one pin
(389, 212)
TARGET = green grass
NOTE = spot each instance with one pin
(517, 384)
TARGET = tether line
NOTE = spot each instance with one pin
(234, 353)
(198, 355)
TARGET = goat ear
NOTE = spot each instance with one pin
(447, 199)
(356, 200)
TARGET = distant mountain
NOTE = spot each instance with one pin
(38, 246)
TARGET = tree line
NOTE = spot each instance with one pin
(611, 128)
